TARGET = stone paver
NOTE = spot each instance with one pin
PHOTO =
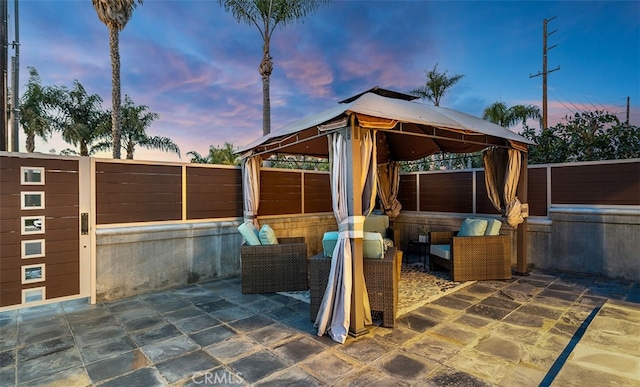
(556, 329)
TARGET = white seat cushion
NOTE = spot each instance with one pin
(372, 244)
(442, 251)
(493, 227)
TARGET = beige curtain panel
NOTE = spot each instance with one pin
(388, 186)
(501, 176)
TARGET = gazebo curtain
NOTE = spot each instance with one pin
(334, 314)
(501, 174)
(251, 192)
(388, 185)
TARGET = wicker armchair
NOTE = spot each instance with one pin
(275, 268)
(381, 277)
(472, 258)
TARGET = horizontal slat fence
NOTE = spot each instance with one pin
(294, 192)
(127, 192)
(130, 192)
(483, 204)
(613, 184)
(446, 192)
(537, 191)
(213, 192)
(280, 192)
(317, 193)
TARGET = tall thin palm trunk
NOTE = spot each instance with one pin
(116, 111)
(30, 142)
(266, 68)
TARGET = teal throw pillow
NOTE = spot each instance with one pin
(250, 233)
(267, 236)
(329, 241)
(473, 227)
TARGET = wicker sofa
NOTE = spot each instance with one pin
(275, 268)
(381, 277)
(472, 257)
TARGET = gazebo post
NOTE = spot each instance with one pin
(522, 234)
(354, 195)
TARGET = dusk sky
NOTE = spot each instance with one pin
(197, 67)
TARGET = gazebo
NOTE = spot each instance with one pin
(372, 131)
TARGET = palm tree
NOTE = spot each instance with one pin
(197, 158)
(80, 119)
(436, 86)
(135, 122)
(115, 14)
(267, 15)
(217, 155)
(34, 117)
(498, 113)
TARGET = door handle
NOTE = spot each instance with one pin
(84, 223)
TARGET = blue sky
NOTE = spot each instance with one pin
(197, 67)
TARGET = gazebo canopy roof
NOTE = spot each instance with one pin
(407, 130)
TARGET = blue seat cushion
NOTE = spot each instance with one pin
(442, 251)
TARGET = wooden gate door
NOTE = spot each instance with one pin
(40, 228)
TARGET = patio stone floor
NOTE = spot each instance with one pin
(543, 329)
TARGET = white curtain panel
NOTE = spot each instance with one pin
(334, 315)
(369, 172)
(251, 193)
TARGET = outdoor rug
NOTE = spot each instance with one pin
(417, 287)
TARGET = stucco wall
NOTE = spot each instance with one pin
(140, 259)
(598, 241)
(595, 241)
(135, 260)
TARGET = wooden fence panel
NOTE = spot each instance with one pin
(447, 192)
(596, 184)
(537, 194)
(317, 193)
(407, 192)
(280, 192)
(127, 193)
(214, 192)
(483, 204)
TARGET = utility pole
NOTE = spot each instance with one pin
(15, 78)
(544, 71)
(4, 55)
(628, 103)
